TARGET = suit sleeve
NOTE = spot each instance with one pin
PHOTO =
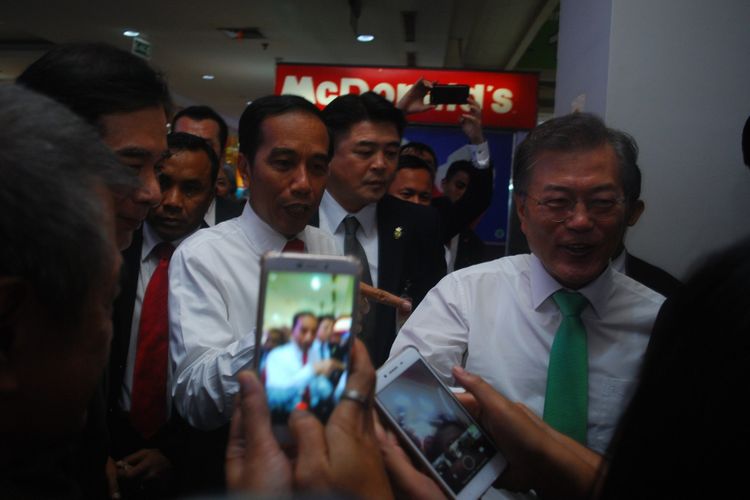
(455, 217)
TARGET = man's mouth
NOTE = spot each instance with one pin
(297, 209)
(169, 222)
(578, 249)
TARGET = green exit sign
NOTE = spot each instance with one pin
(141, 48)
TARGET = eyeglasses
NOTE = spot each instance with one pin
(561, 208)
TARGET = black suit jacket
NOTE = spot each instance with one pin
(411, 261)
(227, 209)
(653, 277)
(471, 250)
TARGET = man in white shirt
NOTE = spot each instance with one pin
(499, 319)
(214, 275)
(297, 372)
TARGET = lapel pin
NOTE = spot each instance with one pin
(397, 232)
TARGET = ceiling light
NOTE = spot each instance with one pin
(365, 38)
(208, 77)
(131, 33)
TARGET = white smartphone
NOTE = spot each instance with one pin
(303, 333)
(436, 428)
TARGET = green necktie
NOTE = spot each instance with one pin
(566, 402)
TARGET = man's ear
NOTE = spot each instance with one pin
(519, 201)
(635, 212)
(244, 168)
(14, 293)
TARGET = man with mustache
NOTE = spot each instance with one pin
(519, 321)
(214, 275)
(398, 242)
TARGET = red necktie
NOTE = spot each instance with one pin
(305, 403)
(148, 406)
(294, 245)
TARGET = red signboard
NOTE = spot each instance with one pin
(508, 100)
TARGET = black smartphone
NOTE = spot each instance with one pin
(437, 429)
(303, 333)
(449, 94)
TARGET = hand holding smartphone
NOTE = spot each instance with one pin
(303, 332)
(434, 426)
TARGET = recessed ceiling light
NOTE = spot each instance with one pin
(208, 77)
(131, 33)
(365, 38)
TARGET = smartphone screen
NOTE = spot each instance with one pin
(438, 427)
(305, 339)
(449, 94)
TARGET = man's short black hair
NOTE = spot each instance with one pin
(578, 132)
(251, 121)
(302, 314)
(182, 141)
(96, 79)
(414, 162)
(199, 113)
(347, 110)
(420, 147)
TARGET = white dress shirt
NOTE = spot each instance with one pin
(213, 296)
(332, 217)
(210, 217)
(498, 320)
(287, 376)
(149, 262)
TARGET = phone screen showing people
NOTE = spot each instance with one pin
(443, 433)
(305, 341)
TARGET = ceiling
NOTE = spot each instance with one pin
(186, 40)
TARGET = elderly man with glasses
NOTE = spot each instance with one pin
(557, 330)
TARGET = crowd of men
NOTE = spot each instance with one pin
(129, 288)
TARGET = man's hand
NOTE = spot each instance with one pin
(413, 101)
(145, 464)
(110, 472)
(407, 480)
(254, 460)
(343, 456)
(471, 122)
(326, 366)
(539, 457)
(381, 296)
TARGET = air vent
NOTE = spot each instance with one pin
(243, 33)
(410, 25)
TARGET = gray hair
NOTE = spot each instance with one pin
(51, 227)
(578, 132)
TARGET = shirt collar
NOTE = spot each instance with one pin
(333, 214)
(151, 239)
(543, 286)
(210, 216)
(260, 234)
(618, 263)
